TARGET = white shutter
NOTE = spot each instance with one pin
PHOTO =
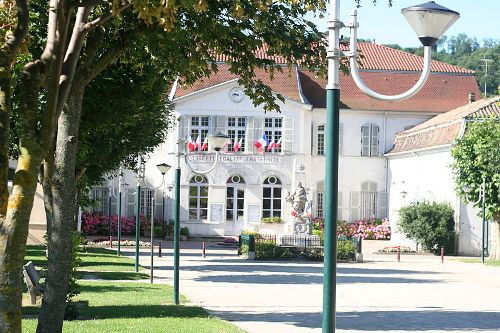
(249, 134)
(314, 138)
(354, 206)
(374, 140)
(130, 199)
(341, 138)
(258, 130)
(339, 205)
(382, 205)
(221, 124)
(183, 132)
(288, 129)
(365, 140)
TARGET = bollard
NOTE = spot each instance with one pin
(203, 250)
(111, 241)
(442, 254)
(159, 249)
(399, 253)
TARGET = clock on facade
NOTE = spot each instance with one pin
(236, 94)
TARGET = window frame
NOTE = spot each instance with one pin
(273, 212)
(198, 184)
(373, 149)
(274, 131)
(236, 130)
(199, 127)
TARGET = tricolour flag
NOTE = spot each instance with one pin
(308, 209)
(198, 142)
(277, 145)
(237, 144)
(191, 145)
(205, 144)
(262, 143)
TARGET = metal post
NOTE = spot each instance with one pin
(203, 254)
(159, 249)
(137, 225)
(398, 255)
(119, 221)
(152, 235)
(331, 171)
(483, 204)
(442, 254)
(176, 231)
(109, 212)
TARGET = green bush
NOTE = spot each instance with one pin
(273, 219)
(269, 250)
(184, 231)
(346, 250)
(430, 224)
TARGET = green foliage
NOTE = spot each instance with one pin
(346, 250)
(73, 287)
(430, 224)
(184, 231)
(476, 157)
(269, 250)
(273, 219)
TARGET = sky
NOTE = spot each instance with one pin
(478, 18)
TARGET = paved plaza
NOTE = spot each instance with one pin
(418, 294)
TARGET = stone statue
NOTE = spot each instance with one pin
(298, 200)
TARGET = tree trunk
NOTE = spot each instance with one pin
(495, 240)
(63, 209)
(14, 231)
(5, 93)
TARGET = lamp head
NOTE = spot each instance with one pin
(218, 141)
(403, 194)
(163, 167)
(429, 21)
(467, 189)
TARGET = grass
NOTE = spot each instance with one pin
(478, 261)
(112, 306)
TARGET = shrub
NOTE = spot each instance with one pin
(273, 219)
(366, 229)
(269, 250)
(346, 250)
(184, 231)
(430, 224)
(97, 224)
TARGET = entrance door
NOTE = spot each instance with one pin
(235, 203)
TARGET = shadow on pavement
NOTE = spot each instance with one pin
(381, 320)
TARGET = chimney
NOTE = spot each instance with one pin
(472, 97)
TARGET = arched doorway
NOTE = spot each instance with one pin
(235, 205)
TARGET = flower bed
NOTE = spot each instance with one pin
(96, 224)
(105, 242)
(366, 229)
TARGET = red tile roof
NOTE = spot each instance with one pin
(385, 70)
(444, 128)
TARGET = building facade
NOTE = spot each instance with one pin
(248, 185)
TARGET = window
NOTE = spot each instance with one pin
(199, 129)
(368, 200)
(319, 204)
(271, 197)
(236, 131)
(100, 196)
(198, 198)
(321, 139)
(235, 198)
(273, 129)
(367, 203)
(369, 140)
(147, 202)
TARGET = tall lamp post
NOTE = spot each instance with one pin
(163, 168)
(429, 21)
(215, 142)
(482, 199)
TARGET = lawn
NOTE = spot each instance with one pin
(478, 261)
(111, 306)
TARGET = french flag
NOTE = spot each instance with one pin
(191, 145)
(204, 144)
(275, 145)
(198, 142)
(262, 143)
(237, 144)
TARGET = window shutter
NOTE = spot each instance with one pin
(354, 206)
(341, 138)
(339, 205)
(130, 210)
(382, 205)
(221, 124)
(374, 140)
(183, 132)
(288, 129)
(114, 204)
(365, 140)
(314, 138)
(258, 130)
(249, 134)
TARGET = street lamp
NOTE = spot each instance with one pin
(163, 168)
(429, 21)
(215, 142)
(482, 197)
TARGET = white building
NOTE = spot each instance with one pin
(419, 168)
(246, 186)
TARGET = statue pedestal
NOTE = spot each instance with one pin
(301, 226)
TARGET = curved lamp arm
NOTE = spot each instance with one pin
(202, 172)
(353, 24)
